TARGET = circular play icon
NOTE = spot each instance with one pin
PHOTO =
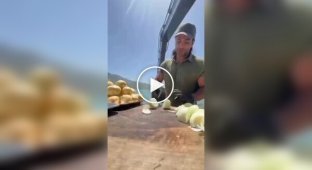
(152, 83)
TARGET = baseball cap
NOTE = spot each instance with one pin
(187, 29)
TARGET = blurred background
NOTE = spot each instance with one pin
(53, 71)
(258, 83)
(69, 36)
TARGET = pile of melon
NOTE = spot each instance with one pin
(38, 111)
(191, 114)
(120, 93)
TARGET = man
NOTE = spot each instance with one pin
(186, 70)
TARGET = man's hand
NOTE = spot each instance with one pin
(159, 94)
(179, 98)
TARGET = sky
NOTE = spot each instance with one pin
(133, 34)
(83, 33)
(72, 32)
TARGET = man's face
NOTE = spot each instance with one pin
(183, 44)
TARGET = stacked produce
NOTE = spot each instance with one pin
(40, 112)
(121, 93)
(186, 113)
(191, 114)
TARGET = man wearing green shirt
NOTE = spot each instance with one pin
(186, 70)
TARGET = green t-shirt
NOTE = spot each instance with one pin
(185, 75)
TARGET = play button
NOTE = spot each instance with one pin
(154, 85)
(146, 84)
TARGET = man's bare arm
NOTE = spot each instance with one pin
(160, 76)
(200, 94)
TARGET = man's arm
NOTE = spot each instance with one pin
(159, 94)
(160, 76)
(199, 94)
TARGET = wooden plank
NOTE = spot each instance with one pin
(156, 141)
